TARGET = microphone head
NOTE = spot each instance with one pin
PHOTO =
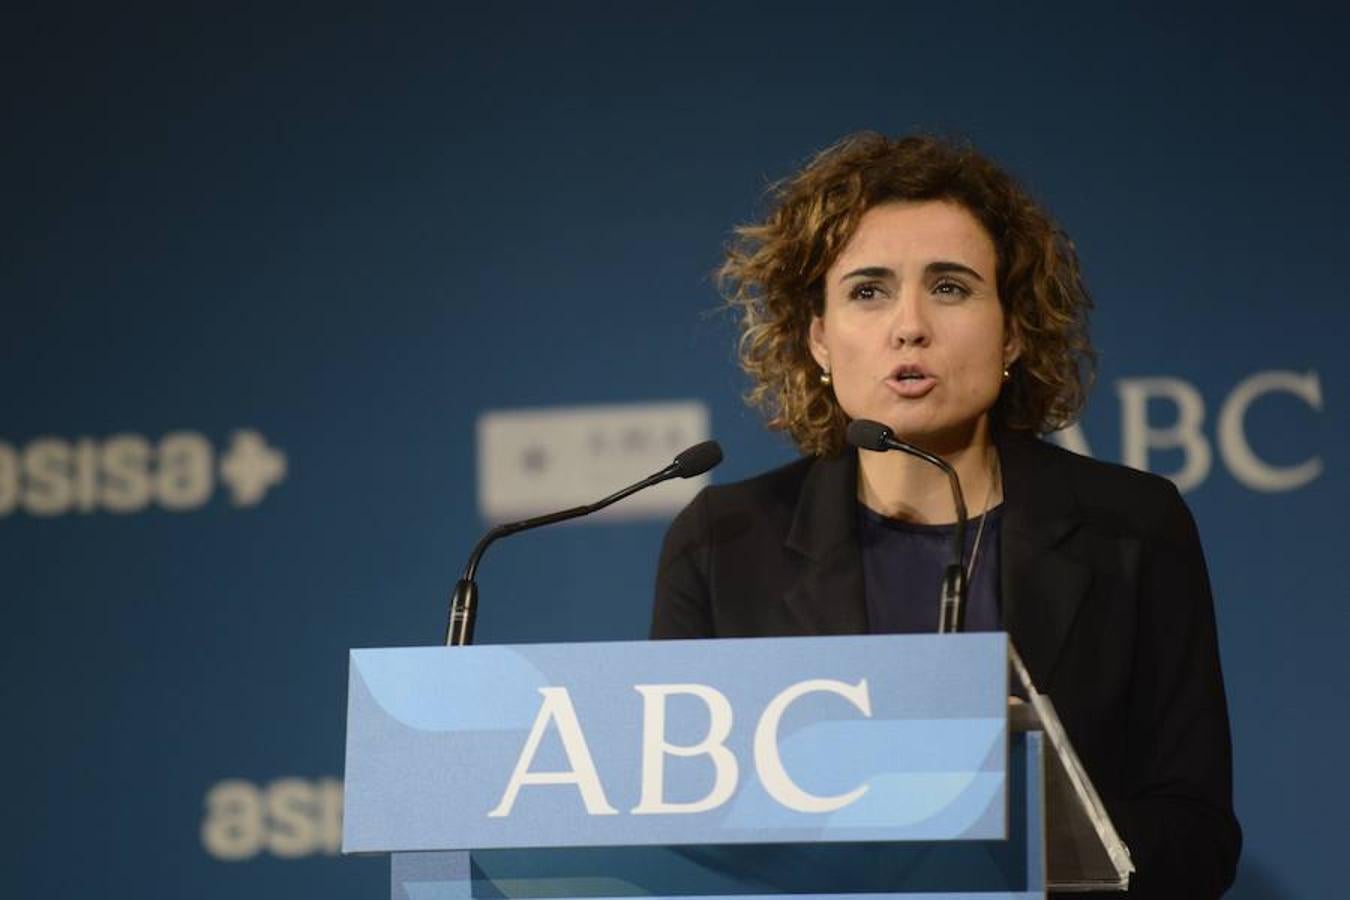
(869, 435)
(697, 459)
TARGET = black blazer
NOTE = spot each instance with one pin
(1103, 590)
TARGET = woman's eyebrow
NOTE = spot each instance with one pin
(941, 267)
(946, 267)
(869, 272)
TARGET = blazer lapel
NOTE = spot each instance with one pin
(827, 597)
(1042, 588)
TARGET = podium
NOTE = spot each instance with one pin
(820, 766)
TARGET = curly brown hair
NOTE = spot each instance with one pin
(774, 278)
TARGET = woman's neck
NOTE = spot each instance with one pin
(901, 486)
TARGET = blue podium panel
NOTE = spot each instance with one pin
(757, 741)
(1013, 869)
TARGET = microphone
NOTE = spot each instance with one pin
(868, 435)
(464, 603)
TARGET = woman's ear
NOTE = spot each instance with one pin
(816, 343)
(1012, 345)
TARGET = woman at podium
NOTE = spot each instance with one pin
(912, 282)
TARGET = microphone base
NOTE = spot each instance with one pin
(952, 606)
(463, 611)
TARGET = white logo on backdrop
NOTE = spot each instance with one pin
(289, 818)
(130, 473)
(535, 461)
(1185, 431)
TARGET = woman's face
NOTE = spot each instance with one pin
(913, 333)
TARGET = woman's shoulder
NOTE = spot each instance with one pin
(778, 485)
(1116, 495)
(766, 500)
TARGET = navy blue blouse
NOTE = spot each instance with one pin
(902, 573)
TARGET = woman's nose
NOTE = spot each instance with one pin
(909, 325)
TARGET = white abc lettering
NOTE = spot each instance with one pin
(1071, 437)
(557, 709)
(655, 748)
(769, 763)
(1237, 453)
(1137, 437)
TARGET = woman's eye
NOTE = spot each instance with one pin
(952, 289)
(864, 291)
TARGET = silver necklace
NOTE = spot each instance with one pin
(984, 517)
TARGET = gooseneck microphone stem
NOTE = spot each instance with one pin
(868, 435)
(464, 603)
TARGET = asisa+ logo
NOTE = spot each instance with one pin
(129, 473)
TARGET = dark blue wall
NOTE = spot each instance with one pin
(350, 234)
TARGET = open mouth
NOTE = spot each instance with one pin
(910, 381)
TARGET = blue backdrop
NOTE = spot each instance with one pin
(265, 271)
